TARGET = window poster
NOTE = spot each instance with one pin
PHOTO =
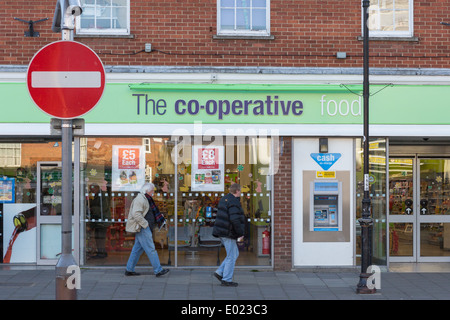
(7, 190)
(128, 168)
(19, 233)
(207, 168)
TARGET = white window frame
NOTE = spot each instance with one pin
(95, 31)
(235, 32)
(146, 142)
(391, 33)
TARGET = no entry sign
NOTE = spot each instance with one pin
(66, 79)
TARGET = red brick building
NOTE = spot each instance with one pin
(302, 34)
(302, 49)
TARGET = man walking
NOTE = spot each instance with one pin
(141, 220)
(229, 226)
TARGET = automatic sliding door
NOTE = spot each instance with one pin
(434, 218)
(419, 209)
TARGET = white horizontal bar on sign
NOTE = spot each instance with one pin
(65, 79)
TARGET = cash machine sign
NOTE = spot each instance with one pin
(326, 160)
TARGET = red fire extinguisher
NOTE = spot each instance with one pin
(266, 242)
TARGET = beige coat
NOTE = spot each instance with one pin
(138, 209)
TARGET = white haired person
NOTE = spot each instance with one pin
(141, 220)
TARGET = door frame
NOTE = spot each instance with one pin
(429, 218)
(404, 218)
(416, 218)
(56, 220)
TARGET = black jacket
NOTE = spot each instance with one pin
(230, 219)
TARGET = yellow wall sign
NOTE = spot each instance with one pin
(326, 174)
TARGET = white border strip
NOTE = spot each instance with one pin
(273, 78)
(311, 130)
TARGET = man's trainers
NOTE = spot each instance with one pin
(218, 276)
(229, 284)
(131, 273)
(162, 272)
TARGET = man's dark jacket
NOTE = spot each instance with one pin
(230, 219)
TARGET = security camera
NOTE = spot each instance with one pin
(65, 10)
(74, 8)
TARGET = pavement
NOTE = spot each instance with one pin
(199, 284)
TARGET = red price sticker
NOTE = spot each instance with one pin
(128, 158)
(209, 158)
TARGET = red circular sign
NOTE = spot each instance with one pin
(66, 79)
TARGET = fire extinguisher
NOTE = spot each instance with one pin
(266, 242)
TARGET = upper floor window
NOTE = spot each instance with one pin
(391, 18)
(104, 17)
(243, 17)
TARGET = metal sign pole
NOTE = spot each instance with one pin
(366, 221)
(66, 260)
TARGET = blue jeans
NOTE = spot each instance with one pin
(144, 242)
(226, 269)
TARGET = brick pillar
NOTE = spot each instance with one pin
(282, 189)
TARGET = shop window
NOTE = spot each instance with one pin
(391, 18)
(18, 198)
(186, 194)
(245, 162)
(108, 188)
(246, 17)
(104, 17)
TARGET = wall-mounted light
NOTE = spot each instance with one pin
(31, 32)
(323, 145)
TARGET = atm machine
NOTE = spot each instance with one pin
(325, 205)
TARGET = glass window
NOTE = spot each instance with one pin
(186, 193)
(18, 163)
(243, 17)
(434, 186)
(112, 175)
(401, 243)
(377, 192)
(390, 18)
(401, 186)
(247, 163)
(104, 17)
(18, 197)
(433, 240)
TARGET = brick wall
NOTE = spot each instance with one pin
(307, 33)
(282, 232)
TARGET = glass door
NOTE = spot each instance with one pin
(402, 213)
(49, 201)
(419, 209)
(434, 210)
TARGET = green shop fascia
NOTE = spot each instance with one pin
(247, 104)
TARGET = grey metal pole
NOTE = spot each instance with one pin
(66, 259)
(365, 221)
